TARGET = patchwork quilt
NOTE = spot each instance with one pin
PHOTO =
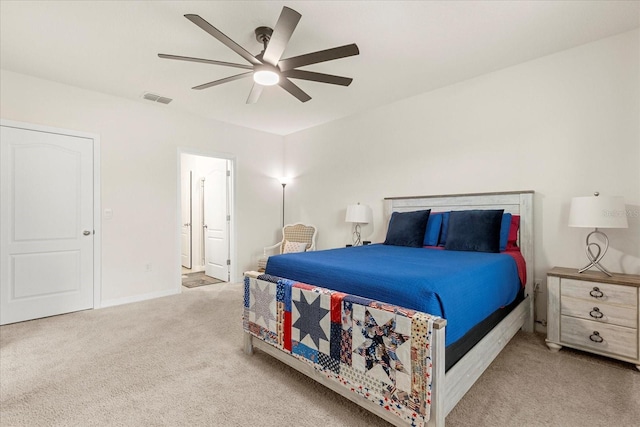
(378, 351)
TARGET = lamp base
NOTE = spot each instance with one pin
(594, 259)
(356, 235)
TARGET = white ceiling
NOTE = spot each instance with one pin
(406, 48)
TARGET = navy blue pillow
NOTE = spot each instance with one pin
(475, 230)
(445, 228)
(505, 226)
(432, 232)
(407, 228)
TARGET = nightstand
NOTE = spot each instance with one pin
(593, 312)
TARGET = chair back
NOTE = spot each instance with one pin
(300, 233)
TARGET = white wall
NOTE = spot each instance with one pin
(564, 125)
(139, 162)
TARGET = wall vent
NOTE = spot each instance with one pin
(156, 98)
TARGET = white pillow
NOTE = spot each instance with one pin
(291, 247)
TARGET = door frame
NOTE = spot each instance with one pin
(233, 255)
(190, 219)
(97, 224)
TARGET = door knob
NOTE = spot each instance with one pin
(86, 232)
(187, 225)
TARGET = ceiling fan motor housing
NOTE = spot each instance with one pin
(263, 35)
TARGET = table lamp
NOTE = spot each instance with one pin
(597, 212)
(358, 214)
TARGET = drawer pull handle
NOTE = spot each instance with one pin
(596, 292)
(596, 313)
(595, 337)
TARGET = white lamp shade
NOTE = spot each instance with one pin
(598, 212)
(360, 214)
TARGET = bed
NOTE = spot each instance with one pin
(406, 355)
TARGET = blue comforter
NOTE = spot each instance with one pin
(462, 287)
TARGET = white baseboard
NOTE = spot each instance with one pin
(138, 298)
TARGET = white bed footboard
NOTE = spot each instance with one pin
(381, 356)
(436, 419)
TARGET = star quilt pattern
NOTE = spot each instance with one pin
(378, 351)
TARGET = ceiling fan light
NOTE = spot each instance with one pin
(266, 77)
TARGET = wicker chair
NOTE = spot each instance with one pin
(298, 233)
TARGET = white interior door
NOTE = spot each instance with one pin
(185, 230)
(216, 222)
(46, 230)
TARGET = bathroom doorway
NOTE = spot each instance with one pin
(206, 218)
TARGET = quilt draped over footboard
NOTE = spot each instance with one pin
(378, 351)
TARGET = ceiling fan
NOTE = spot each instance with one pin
(267, 68)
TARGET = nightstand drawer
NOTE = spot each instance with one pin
(600, 292)
(615, 340)
(599, 312)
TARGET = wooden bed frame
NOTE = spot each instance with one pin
(447, 389)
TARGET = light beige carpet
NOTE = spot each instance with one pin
(178, 361)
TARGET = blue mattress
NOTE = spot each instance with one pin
(462, 287)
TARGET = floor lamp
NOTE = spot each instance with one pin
(284, 181)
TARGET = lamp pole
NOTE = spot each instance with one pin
(284, 184)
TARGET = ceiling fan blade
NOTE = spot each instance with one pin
(225, 80)
(200, 22)
(256, 90)
(318, 77)
(319, 56)
(205, 61)
(294, 90)
(285, 26)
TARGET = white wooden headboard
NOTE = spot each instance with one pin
(514, 202)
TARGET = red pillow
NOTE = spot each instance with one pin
(512, 240)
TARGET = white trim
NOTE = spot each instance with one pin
(233, 254)
(97, 225)
(138, 298)
(97, 205)
(438, 380)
